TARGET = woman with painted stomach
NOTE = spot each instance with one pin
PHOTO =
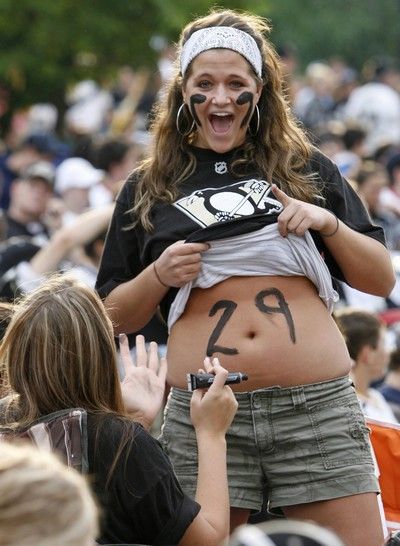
(233, 227)
(272, 348)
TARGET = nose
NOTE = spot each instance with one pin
(220, 97)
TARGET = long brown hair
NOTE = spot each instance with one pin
(279, 151)
(58, 352)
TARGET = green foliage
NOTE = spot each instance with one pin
(177, 13)
(352, 29)
(48, 44)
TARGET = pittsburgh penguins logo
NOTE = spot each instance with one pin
(246, 198)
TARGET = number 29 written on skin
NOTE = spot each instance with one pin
(229, 307)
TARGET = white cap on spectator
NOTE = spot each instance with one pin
(42, 117)
(76, 172)
(40, 169)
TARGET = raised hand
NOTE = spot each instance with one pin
(297, 216)
(179, 263)
(212, 410)
(143, 386)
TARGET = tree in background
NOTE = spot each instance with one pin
(48, 45)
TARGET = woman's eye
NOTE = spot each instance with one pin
(204, 84)
(236, 84)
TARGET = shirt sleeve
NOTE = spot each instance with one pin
(121, 255)
(344, 202)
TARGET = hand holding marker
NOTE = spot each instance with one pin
(205, 380)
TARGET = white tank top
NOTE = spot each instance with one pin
(261, 252)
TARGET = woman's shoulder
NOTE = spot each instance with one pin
(321, 164)
(128, 189)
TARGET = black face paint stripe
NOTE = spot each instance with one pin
(196, 99)
(212, 346)
(242, 99)
(283, 307)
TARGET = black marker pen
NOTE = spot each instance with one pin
(204, 380)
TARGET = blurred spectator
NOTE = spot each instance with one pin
(125, 116)
(329, 138)
(87, 232)
(288, 55)
(346, 81)
(123, 82)
(116, 157)
(376, 104)
(390, 388)
(42, 118)
(365, 338)
(166, 59)
(314, 103)
(390, 196)
(34, 148)
(42, 501)
(74, 178)
(29, 196)
(89, 107)
(349, 159)
(371, 179)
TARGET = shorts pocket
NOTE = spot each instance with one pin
(341, 434)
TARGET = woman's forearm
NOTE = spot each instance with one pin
(211, 526)
(364, 261)
(212, 481)
(132, 304)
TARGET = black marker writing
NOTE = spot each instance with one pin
(283, 308)
(196, 99)
(242, 99)
(212, 347)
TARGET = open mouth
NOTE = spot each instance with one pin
(221, 122)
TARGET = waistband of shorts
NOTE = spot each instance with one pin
(276, 391)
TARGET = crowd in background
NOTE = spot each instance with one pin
(60, 172)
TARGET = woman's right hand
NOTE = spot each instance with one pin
(212, 410)
(179, 263)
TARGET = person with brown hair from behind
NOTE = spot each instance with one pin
(59, 353)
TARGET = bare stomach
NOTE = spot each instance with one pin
(275, 329)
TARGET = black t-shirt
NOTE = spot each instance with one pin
(213, 203)
(143, 503)
(18, 229)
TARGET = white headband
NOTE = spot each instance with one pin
(221, 38)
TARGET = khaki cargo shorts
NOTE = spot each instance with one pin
(293, 445)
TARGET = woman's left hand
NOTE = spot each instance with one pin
(143, 386)
(297, 216)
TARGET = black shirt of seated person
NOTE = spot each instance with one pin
(214, 204)
(143, 503)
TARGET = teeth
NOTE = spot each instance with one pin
(221, 114)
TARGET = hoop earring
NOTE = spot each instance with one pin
(187, 132)
(257, 111)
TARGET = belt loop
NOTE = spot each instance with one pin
(298, 398)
